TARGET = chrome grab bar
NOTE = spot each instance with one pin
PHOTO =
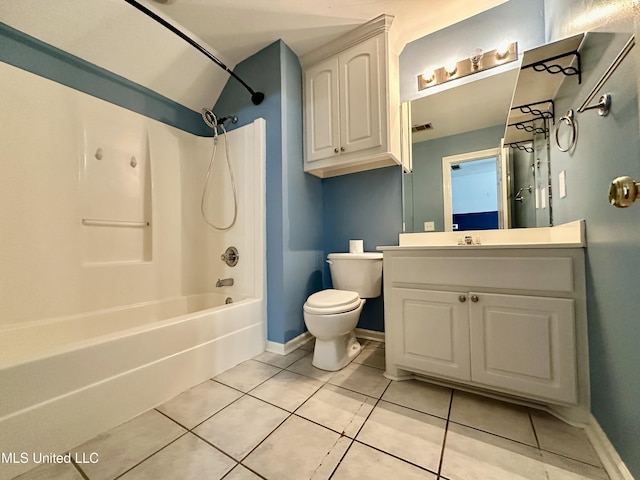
(113, 223)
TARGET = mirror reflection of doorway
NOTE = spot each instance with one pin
(474, 191)
(474, 195)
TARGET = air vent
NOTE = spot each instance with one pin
(420, 128)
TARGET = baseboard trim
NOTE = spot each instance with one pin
(294, 343)
(290, 346)
(370, 334)
(609, 457)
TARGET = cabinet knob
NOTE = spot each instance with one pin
(342, 149)
(335, 150)
(474, 298)
(462, 298)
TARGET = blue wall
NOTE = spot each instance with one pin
(606, 148)
(367, 206)
(426, 179)
(294, 199)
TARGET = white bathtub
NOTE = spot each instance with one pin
(78, 353)
(68, 379)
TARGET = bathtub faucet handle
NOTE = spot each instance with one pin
(230, 256)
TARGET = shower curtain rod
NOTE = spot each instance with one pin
(256, 97)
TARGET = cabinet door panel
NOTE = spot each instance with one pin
(524, 344)
(360, 101)
(433, 332)
(322, 110)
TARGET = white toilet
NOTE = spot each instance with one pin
(332, 315)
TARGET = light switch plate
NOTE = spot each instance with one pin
(562, 183)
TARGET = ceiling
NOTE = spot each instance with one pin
(107, 33)
(239, 28)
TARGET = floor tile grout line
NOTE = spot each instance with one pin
(415, 409)
(210, 417)
(149, 456)
(494, 434)
(79, 469)
(270, 377)
(353, 439)
(533, 427)
(444, 438)
(263, 440)
(244, 466)
(601, 467)
(395, 456)
(293, 413)
(340, 437)
(214, 447)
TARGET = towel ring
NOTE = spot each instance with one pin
(569, 120)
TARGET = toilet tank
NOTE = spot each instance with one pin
(358, 272)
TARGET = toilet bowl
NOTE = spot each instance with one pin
(332, 315)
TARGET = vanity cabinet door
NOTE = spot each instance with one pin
(431, 332)
(524, 345)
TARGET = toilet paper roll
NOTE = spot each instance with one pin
(356, 246)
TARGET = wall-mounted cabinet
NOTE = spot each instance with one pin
(351, 103)
(512, 321)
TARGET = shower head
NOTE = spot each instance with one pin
(212, 121)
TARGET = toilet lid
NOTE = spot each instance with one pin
(332, 301)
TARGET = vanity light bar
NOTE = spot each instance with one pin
(477, 62)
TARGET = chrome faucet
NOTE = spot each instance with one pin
(225, 282)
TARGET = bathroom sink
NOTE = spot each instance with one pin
(567, 235)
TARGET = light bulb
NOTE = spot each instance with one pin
(451, 67)
(428, 75)
(503, 48)
(475, 57)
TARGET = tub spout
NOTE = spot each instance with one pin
(225, 282)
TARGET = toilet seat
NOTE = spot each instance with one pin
(332, 301)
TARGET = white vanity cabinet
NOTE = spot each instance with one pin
(509, 320)
(351, 103)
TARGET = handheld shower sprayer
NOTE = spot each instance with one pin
(212, 121)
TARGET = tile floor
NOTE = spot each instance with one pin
(278, 417)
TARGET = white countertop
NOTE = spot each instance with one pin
(480, 247)
(568, 235)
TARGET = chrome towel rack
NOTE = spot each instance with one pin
(605, 77)
(604, 102)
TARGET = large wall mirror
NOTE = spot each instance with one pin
(457, 148)
(467, 116)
